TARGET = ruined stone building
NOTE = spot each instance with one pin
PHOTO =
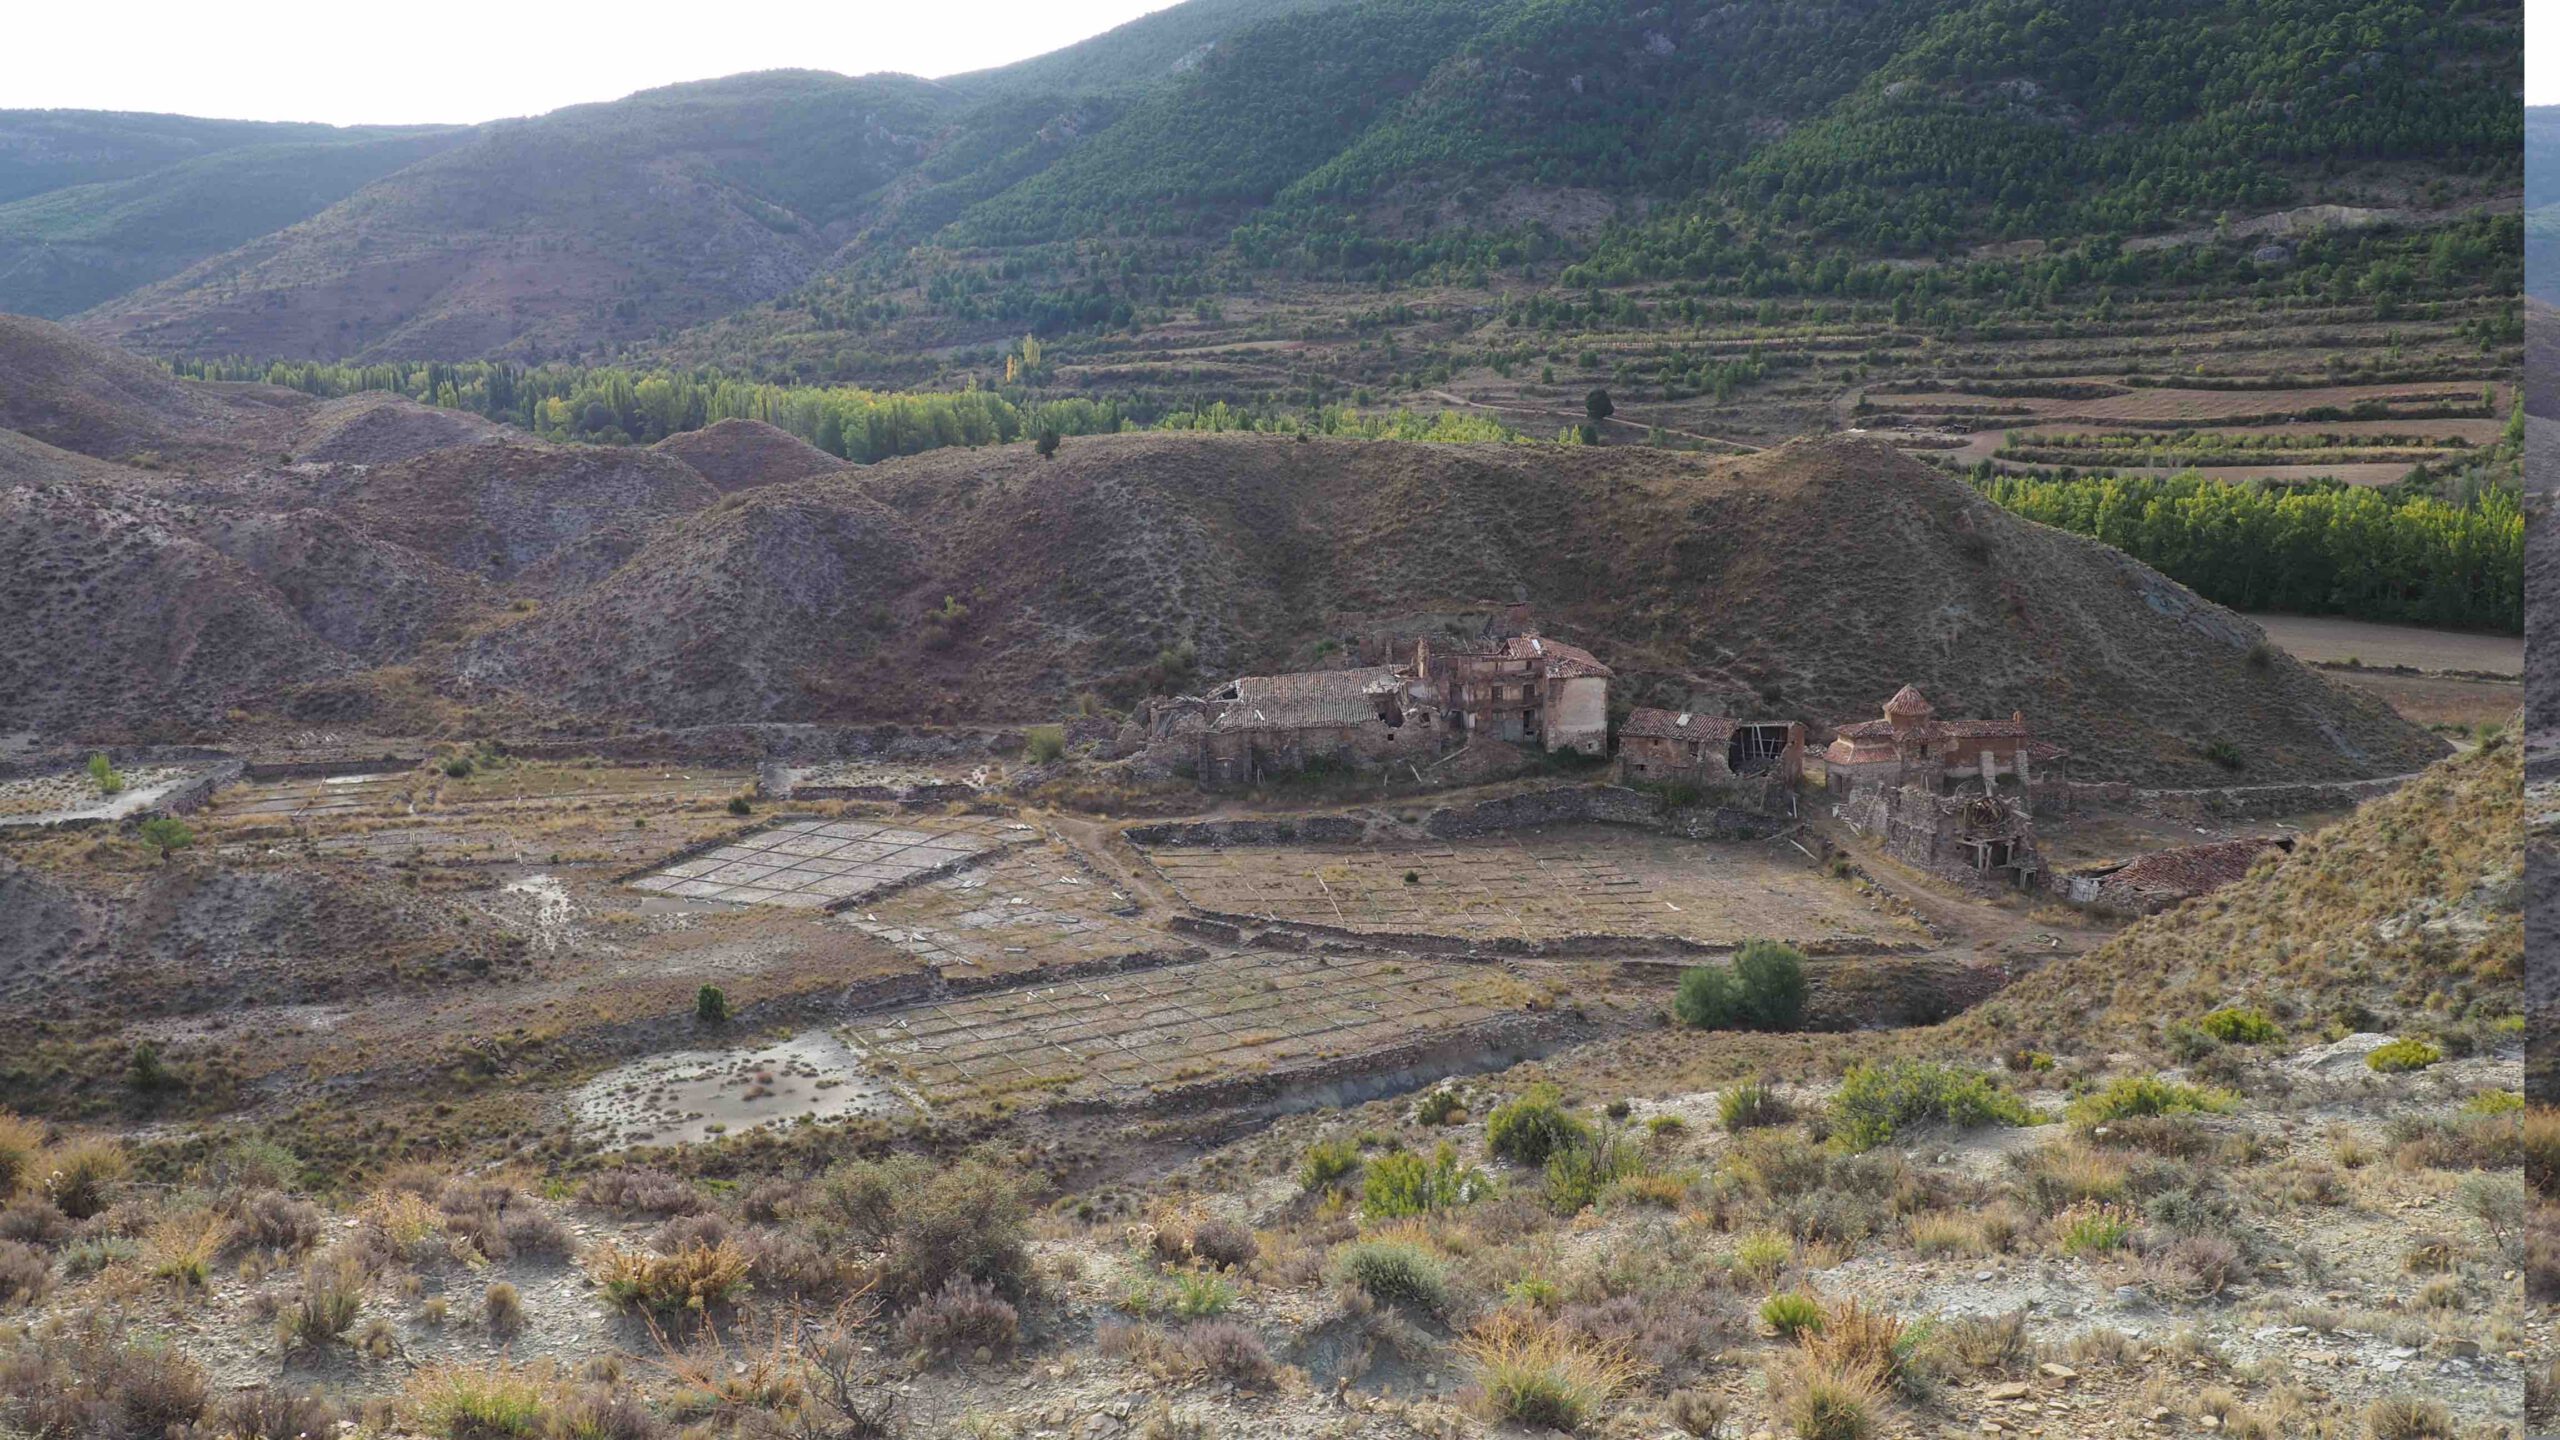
(1932, 794)
(2165, 878)
(1983, 839)
(1258, 726)
(1683, 747)
(1508, 683)
(1523, 688)
(1911, 746)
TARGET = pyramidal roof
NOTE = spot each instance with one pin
(1909, 701)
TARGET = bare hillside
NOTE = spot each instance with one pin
(742, 454)
(101, 401)
(112, 619)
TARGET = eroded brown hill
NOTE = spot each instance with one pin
(742, 454)
(1808, 582)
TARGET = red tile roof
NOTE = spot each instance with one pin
(2189, 869)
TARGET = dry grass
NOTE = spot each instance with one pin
(1532, 1373)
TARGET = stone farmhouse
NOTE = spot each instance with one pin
(1521, 687)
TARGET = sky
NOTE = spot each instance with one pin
(369, 63)
(2542, 52)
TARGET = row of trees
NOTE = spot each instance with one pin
(614, 406)
(2308, 549)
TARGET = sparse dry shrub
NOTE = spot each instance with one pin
(83, 1381)
(182, 1247)
(966, 1220)
(603, 1411)
(266, 1412)
(31, 1219)
(2405, 1417)
(26, 1275)
(332, 1292)
(402, 1224)
(691, 1281)
(1818, 1398)
(2192, 1268)
(530, 1233)
(458, 1402)
(861, 1198)
(1230, 1351)
(2059, 1176)
(1857, 1337)
(684, 1232)
(1985, 1344)
(641, 1191)
(273, 1221)
(1536, 1374)
(768, 1201)
(2538, 1136)
(963, 1316)
(1938, 1233)
(1698, 1413)
(502, 1309)
(1224, 1243)
(21, 1144)
(82, 1177)
(787, 1262)
(1665, 1328)
(2430, 1254)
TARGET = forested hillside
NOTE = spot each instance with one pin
(818, 223)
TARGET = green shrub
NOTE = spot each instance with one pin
(1752, 1106)
(1666, 1127)
(2235, 1025)
(1438, 1106)
(1791, 1313)
(1045, 743)
(1577, 1171)
(1396, 1273)
(1403, 1184)
(1325, 1162)
(457, 1403)
(711, 1005)
(2148, 1095)
(1762, 1255)
(1764, 990)
(2493, 1102)
(105, 776)
(2093, 1229)
(1202, 1294)
(1529, 1129)
(167, 835)
(2404, 1055)
(1877, 1101)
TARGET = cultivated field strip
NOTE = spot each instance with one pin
(1229, 1015)
(812, 864)
(1023, 912)
(1542, 885)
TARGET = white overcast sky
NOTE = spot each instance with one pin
(351, 62)
(2542, 52)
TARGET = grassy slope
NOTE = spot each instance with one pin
(2408, 913)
